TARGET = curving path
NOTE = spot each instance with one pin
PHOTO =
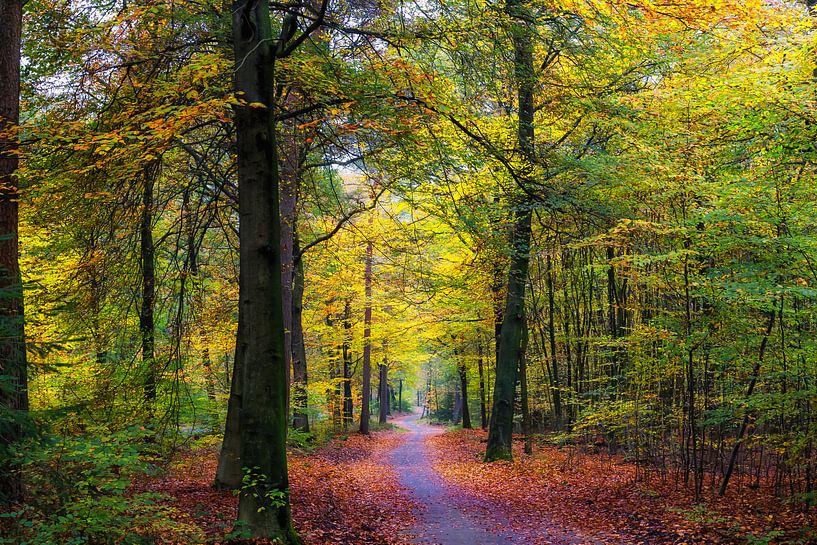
(441, 521)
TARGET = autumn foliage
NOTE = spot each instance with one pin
(560, 490)
(343, 493)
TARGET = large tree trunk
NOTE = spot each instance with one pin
(510, 338)
(300, 417)
(147, 250)
(264, 507)
(501, 426)
(13, 364)
(367, 344)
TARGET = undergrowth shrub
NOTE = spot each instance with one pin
(79, 493)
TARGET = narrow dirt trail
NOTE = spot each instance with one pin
(450, 516)
(441, 521)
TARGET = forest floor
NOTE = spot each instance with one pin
(428, 485)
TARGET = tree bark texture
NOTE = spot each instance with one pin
(510, 337)
(13, 363)
(264, 507)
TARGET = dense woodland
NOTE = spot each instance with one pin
(257, 226)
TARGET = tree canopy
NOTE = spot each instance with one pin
(267, 224)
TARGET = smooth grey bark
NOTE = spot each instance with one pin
(13, 363)
(289, 181)
(264, 507)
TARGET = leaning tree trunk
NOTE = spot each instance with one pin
(264, 507)
(746, 417)
(501, 426)
(13, 364)
(510, 337)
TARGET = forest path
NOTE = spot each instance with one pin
(448, 516)
(441, 521)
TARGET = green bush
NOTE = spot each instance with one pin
(300, 439)
(78, 493)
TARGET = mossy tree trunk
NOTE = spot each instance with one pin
(511, 332)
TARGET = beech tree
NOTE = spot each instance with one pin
(13, 364)
(513, 318)
(264, 497)
(596, 215)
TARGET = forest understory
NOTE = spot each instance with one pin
(347, 492)
(236, 237)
